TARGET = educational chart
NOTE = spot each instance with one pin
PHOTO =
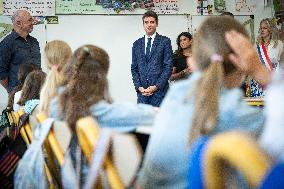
(100, 6)
(220, 5)
(245, 6)
(204, 7)
(1, 7)
(76, 7)
(116, 7)
(35, 7)
(5, 29)
(166, 6)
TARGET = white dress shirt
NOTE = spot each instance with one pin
(146, 41)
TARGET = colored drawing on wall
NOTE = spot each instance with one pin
(101, 6)
(204, 7)
(220, 5)
(52, 20)
(1, 7)
(76, 6)
(35, 7)
(245, 6)
(166, 6)
(5, 28)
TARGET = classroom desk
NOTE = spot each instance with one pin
(254, 101)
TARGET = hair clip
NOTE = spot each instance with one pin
(216, 57)
(86, 49)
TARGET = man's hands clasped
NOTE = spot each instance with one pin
(149, 91)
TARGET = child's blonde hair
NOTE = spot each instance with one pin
(58, 54)
(210, 41)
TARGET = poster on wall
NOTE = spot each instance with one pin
(245, 6)
(116, 7)
(1, 7)
(101, 6)
(78, 6)
(204, 7)
(166, 6)
(219, 5)
(5, 26)
(35, 7)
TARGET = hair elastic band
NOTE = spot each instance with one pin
(216, 57)
(86, 49)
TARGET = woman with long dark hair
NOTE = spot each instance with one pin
(180, 67)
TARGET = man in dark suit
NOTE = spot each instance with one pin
(151, 63)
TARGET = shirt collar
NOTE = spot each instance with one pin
(15, 35)
(152, 36)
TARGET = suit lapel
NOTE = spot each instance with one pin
(142, 48)
(154, 46)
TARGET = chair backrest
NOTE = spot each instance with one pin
(26, 128)
(54, 153)
(239, 151)
(52, 141)
(127, 155)
(61, 131)
(14, 118)
(88, 133)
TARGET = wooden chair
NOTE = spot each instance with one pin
(14, 118)
(52, 141)
(26, 127)
(88, 135)
(54, 154)
(238, 150)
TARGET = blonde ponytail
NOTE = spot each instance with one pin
(49, 90)
(206, 106)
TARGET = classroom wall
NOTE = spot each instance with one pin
(116, 33)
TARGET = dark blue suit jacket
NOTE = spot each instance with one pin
(156, 71)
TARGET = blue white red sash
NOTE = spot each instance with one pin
(262, 52)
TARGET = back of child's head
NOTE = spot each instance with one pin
(32, 86)
(210, 52)
(90, 56)
(24, 70)
(88, 82)
(58, 54)
(210, 40)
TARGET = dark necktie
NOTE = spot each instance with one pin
(148, 49)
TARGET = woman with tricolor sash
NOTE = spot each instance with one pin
(269, 49)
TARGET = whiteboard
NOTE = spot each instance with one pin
(115, 34)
